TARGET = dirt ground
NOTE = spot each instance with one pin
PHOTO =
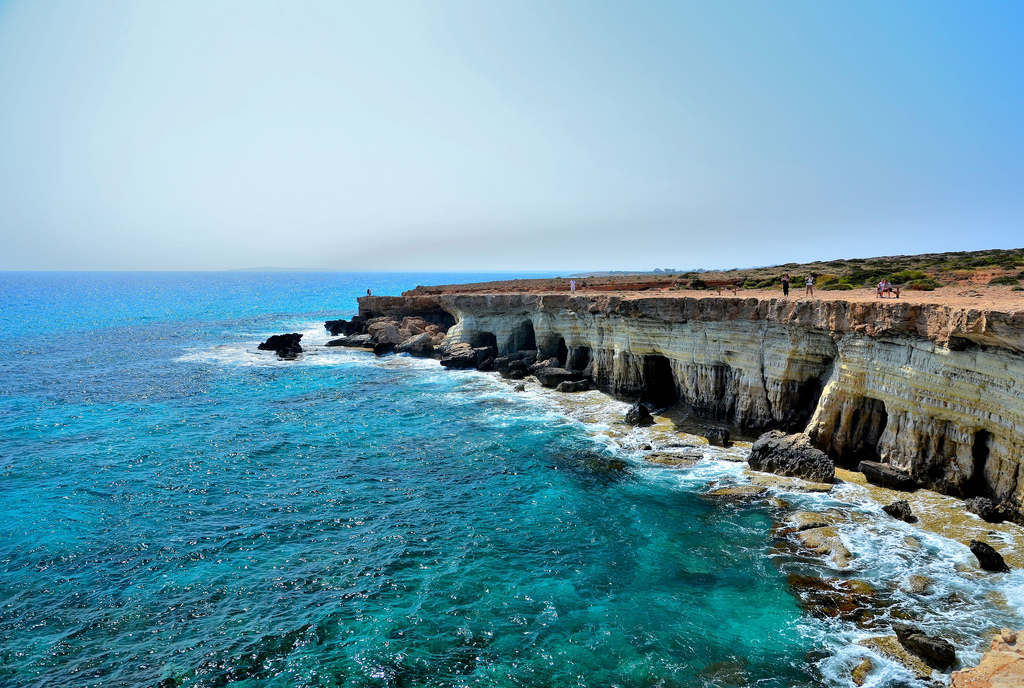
(999, 298)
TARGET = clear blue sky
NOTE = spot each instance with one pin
(505, 135)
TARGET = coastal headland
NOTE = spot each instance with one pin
(932, 386)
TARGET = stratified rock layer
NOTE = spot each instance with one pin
(931, 390)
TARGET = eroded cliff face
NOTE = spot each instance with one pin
(934, 390)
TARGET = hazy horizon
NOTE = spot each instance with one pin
(525, 137)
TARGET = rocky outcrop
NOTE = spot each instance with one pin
(937, 653)
(639, 415)
(1001, 667)
(885, 475)
(791, 455)
(285, 345)
(406, 334)
(929, 390)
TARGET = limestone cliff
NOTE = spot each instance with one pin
(935, 390)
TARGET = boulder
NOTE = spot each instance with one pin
(988, 557)
(826, 542)
(390, 335)
(516, 370)
(346, 327)
(937, 653)
(673, 459)
(986, 508)
(382, 348)
(483, 353)
(417, 345)
(285, 345)
(459, 356)
(717, 436)
(486, 364)
(884, 475)
(639, 415)
(360, 340)
(546, 363)
(900, 509)
(500, 363)
(552, 377)
(521, 387)
(890, 647)
(791, 455)
(570, 387)
(805, 520)
(1001, 667)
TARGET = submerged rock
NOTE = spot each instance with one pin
(674, 460)
(742, 493)
(861, 671)
(848, 600)
(285, 345)
(805, 520)
(901, 509)
(937, 653)
(826, 542)
(988, 558)
(890, 647)
(1001, 667)
(791, 455)
(639, 415)
(884, 475)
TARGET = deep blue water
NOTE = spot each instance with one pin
(178, 507)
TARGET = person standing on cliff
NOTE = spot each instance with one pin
(367, 292)
(572, 286)
(809, 289)
(785, 284)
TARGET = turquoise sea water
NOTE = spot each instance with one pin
(180, 508)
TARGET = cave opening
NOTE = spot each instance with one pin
(561, 352)
(484, 339)
(979, 452)
(523, 338)
(579, 358)
(856, 436)
(659, 382)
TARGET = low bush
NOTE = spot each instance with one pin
(923, 285)
(697, 283)
(908, 276)
(837, 286)
(1005, 279)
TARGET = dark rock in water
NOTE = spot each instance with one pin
(383, 348)
(645, 447)
(521, 387)
(459, 356)
(528, 356)
(346, 327)
(986, 508)
(791, 455)
(900, 509)
(936, 652)
(717, 436)
(639, 415)
(516, 370)
(845, 599)
(552, 377)
(360, 340)
(486, 364)
(988, 557)
(285, 345)
(500, 363)
(884, 475)
(579, 386)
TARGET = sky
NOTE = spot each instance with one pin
(486, 135)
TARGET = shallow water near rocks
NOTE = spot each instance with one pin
(180, 507)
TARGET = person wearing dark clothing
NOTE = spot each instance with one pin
(785, 285)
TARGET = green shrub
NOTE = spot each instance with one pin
(1018, 288)
(923, 285)
(837, 286)
(908, 276)
(697, 283)
(1006, 279)
(750, 284)
(768, 283)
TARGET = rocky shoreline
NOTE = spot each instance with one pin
(823, 391)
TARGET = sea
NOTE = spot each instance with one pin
(178, 508)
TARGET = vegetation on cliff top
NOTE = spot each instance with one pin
(926, 271)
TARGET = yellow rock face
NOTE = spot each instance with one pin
(1001, 667)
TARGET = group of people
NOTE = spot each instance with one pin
(808, 285)
(885, 288)
(572, 285)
